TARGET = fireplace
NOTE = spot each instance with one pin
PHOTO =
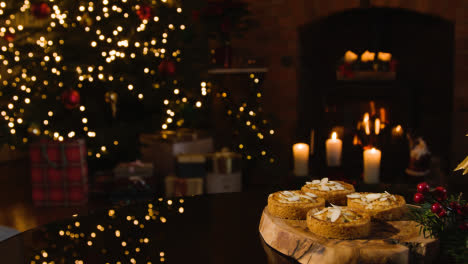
(418, 97)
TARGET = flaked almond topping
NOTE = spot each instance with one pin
(287, 193)
(353, 196)
(335, 206)
(292, 198)
(315, 181)
(307, 183)
(383, 199)
(306, 197)
(324, 180)
(339, 188)
(324, 188)
(311, 194)
(320, 212)
(373, 196)
(335, 214)
(313, 188)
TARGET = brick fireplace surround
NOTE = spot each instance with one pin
(276, 40)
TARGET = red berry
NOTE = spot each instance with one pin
(454, 205)
(463, 226)
(423, 187)
(440, 193)
(418, 198)
(436, 208)
(442, 213)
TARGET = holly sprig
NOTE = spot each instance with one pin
(443, 217)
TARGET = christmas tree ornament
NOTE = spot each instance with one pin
(440, 193)
(40, 10)
(418, 198)
(167, 67)
(423, 187)
(70, 98)
(9, 36)
(111, 98)
(436, 208)
(145, 12)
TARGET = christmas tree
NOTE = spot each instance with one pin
(109, 70)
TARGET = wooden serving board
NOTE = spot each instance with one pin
(389, 242)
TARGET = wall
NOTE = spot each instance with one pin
(276, 39)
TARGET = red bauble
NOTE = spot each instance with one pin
(145, 12)
(423, 187)
(437, 208)
(442, 213)
(440, 193)
(71, 98)
(418, 198)
(40, 10)
(167, 67)
(9, 37)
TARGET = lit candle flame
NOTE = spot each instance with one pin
(333, 136)
(366, 117)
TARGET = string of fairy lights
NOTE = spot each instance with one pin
(122, 235)
(135, 50)
(248, 114)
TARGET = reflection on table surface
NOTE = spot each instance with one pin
(207, 229)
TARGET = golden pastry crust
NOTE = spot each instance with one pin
(279, 206)
(358, 227)
(391, 208)
(337, 197)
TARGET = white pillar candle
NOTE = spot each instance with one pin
(333, 147)
(301, 159)
(372, 165)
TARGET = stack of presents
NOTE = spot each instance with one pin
(175, 163)
(188, 164)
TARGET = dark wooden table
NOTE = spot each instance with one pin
(209, 229)
(219, 228)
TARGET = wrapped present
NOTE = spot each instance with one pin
(224, 173)
(183, 186)
(191, 166)
(136, 168)
(163, 147)
(59, 172)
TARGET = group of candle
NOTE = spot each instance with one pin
(333, 147)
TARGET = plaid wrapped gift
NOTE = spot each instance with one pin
(59, 172)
